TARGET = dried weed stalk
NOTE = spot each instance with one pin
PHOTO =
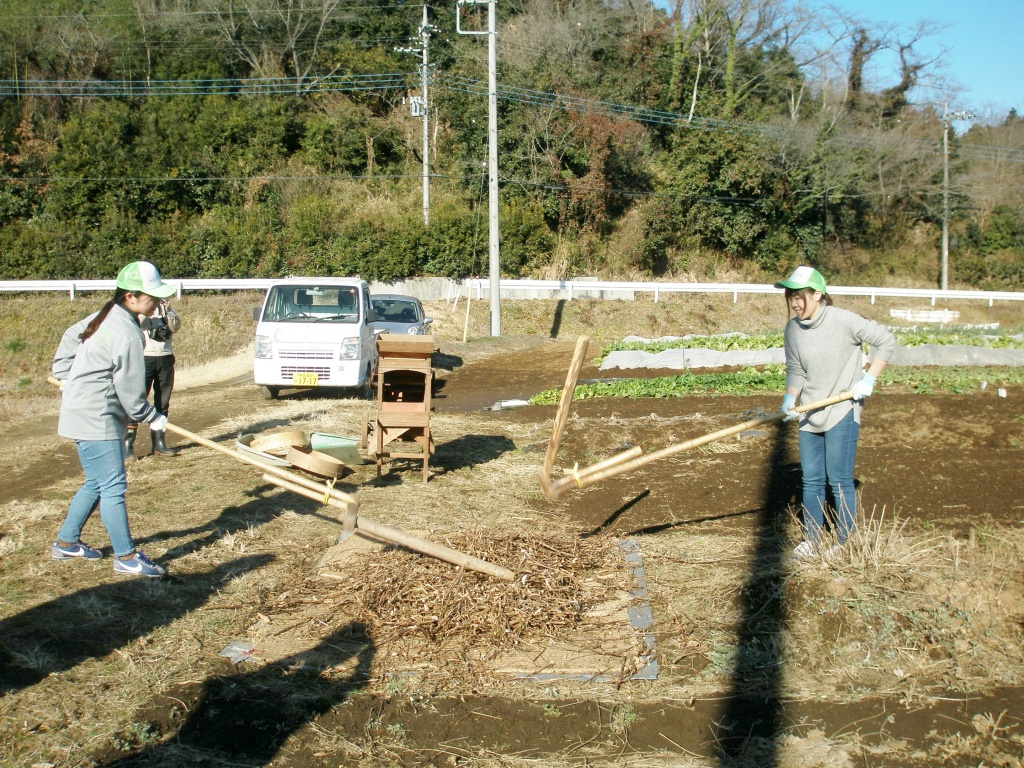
(560, 578)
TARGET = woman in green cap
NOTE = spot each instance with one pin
(824, 357)
(102, 368)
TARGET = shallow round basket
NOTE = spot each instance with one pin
(314, 461)
(279, 443)
(244, 446)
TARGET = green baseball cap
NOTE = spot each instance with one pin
(144, 277)
(804, 277)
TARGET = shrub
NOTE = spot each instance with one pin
(526, 241)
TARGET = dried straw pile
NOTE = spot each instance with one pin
(559, 579)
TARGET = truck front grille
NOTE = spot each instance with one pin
(323, 371)
(306, 354)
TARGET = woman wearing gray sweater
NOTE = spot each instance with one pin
(824, 357)
(101, 366)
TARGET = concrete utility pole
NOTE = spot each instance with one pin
(422, 107)
(947, 117)
(494, 261)
(425, 77)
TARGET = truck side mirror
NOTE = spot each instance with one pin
(371, 315)
(256, 313)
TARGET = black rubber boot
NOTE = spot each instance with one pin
(129, 442)
(160, 445)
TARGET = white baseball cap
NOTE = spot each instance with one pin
(804, 277)
(144, 277)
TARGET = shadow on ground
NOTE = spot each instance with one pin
(58, 635)
(246, 717)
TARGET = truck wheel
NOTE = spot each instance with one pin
(269, 393)
(369, 390)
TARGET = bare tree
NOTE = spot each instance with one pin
(564, 35)
(864, 47)
(994, 176)
(157, 18)
(713, 35)
(277, 37)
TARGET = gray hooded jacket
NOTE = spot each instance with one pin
(824, 358)
(104, 378)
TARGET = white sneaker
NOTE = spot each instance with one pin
(803, 551)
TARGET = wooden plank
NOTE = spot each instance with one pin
(403, 407)
(389, 344)
(403, 418)
(412, 364)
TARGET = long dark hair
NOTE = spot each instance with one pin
(825, 297)
(90, 329)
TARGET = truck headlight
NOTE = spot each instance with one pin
(349, 349)
(263, 347)
(413, 330)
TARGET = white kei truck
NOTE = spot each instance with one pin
(315, 332)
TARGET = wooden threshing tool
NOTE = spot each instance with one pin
(404, 388)
(349, 505)
(562, 415)
(632, 459)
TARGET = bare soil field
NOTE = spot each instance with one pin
(655, 619)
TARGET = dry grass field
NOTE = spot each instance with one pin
(654, 620)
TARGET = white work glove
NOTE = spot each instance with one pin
(862, 389)
(159, 424)
(788, 404)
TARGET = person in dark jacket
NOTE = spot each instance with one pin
(159, 329)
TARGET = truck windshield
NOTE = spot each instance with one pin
(312, 303)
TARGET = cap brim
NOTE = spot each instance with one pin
(165, 291)
(790, 284)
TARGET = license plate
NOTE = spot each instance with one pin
(305, 379)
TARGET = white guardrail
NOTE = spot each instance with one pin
(627, 290)
(434, 288)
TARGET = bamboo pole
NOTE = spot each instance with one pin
(565, 403)
(321, 488)
(578, 475)
(282, 472)
(328, 496)
(395, 536)
(621, 464)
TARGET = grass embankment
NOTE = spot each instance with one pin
(213, 326)
(218, 327)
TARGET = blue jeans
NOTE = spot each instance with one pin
(105, 486)
(828, 457)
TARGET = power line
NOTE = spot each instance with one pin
(674, 119)
(173, 14)
(205, 87)
(453, 83)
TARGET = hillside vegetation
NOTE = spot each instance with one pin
(224, 140)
